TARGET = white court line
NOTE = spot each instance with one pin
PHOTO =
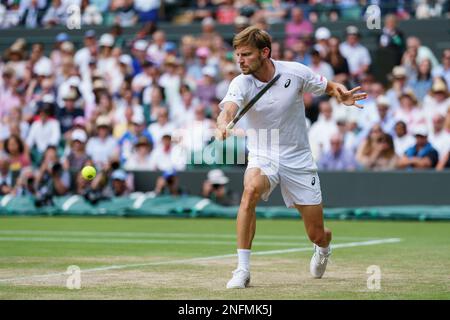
(140, 241)
(180, 261)
(159, 234)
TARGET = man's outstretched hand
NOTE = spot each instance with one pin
(347, 97)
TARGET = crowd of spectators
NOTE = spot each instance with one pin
(46, 13)
(153, 103)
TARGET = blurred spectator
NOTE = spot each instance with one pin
(203, 9)
(141, 156)
(338, 157)
(156, 50)
(322, 36)
(67, 114)
(385, 118)
(319, 66)
(443, 70)
(337, 60)
(17, 152)
(399, 80)
(77, 156)
(6, 177)
(215, 189)
(297, 28)
(147, 10)
(206, 89)
(230, 71)
(402, 139)
(31, 12)
(368, 149)
(226, 12)
(154, 104)
(392, 38)
(240, 23)
(125, 99)
(25, 184)
(87, 52)
(422, 52)
(45, 131)
(357, 55)
(183, 113)
(421, 155)
(421, 81)
(168, 184)
(439, 137)
(444, 162)
(383, 156)
(168, 156)
(321, 131)
(102, 147)
(197, 132)
(119, 186)
(409, 112)
(301, 52)
(130, 138)
(56, 14)
(51, 178)
(161, 127)
(126, 14)
(437, 101)
(429, 9)
(8, 92)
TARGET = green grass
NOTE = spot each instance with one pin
(417, 267)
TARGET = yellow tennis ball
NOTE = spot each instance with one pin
(88, 172)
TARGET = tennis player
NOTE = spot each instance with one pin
(286, 159)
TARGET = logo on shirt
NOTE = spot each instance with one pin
(313, 182)
(287, 83)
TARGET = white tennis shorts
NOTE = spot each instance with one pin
(297, 186)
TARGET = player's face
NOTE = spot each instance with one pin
(250, 59)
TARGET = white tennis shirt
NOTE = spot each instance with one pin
(280, 108)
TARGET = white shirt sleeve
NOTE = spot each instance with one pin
(234, 93)
(312, 82)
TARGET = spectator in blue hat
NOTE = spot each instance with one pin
(131, 137)
(119, 187)
(168, 184)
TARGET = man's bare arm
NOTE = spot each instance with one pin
(228, 113)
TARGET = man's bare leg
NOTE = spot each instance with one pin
(313, 219)
(255, 184)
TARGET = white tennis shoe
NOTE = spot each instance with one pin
(318, 262)
(240, 279)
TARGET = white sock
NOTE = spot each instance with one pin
(324, 250)
(244, 258)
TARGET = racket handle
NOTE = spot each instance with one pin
(230, 125)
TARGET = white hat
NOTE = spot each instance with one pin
(79, 135)
(383, 100)
(125, 59)
(140, 45)
(322, 33)
(208, 21)
(209, 71)
(103, 121)
(43, 68)
(217, 176)
(138, 118)
(420, 130)
(106, 40)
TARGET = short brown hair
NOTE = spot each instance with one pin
(254, 37)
